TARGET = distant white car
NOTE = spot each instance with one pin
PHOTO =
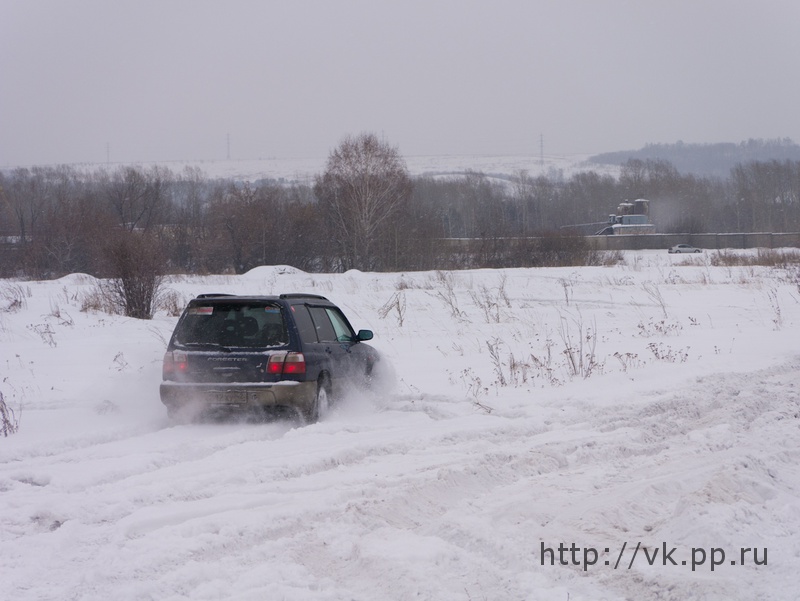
(684, 248)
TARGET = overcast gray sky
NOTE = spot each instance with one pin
(157, 80)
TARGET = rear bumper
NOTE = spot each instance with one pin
(238, 396)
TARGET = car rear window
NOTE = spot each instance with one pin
(247, 325)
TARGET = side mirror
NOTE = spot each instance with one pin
(364, 335)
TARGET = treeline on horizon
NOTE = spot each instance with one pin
(60, 220)
(712, 159)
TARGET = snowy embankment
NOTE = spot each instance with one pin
(654, 403)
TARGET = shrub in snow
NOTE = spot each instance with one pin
(136, 264)
(9, 424)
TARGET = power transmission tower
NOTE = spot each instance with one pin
(541, 151)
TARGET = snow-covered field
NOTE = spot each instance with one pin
(303, 170)
(620, 411)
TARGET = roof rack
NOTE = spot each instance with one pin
(303, 295)
(213, 294)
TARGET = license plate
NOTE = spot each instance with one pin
(231, 397)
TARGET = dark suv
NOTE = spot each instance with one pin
(262, 353)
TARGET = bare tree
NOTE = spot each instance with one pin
(767, 195)
(188, 228)
(136, 264)
(138, 197)
(247, 226)
(364, 185)
(26, 194)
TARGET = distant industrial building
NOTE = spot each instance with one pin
(630, 218)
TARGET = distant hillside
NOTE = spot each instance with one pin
(706, 159)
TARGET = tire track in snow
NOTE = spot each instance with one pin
(308, 514)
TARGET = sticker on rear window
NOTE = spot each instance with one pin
(272, 309)
(201, 310)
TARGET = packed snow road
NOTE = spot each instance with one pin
(487, 473)
(417, 500)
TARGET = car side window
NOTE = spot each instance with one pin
(325, 331)
(340, 326)
(308, 333)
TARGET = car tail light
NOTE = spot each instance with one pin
(275, 363)
(175, 362)
(286, 363)
(295, 363)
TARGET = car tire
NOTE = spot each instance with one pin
(322, 402)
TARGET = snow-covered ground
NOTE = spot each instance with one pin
(625, 411)
(303, 170)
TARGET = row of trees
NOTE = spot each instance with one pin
(364, 211)
(708, 159)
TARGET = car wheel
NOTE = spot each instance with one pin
(697, 251)
(322, 402)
